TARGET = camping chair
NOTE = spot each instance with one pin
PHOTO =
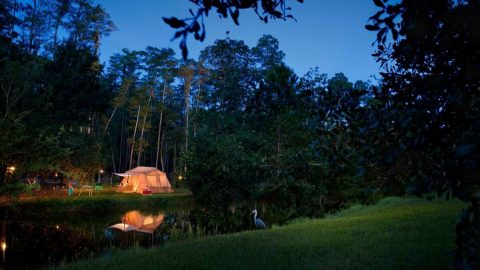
(98, 187)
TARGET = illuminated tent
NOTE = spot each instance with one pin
(134, 221)
(144, 178)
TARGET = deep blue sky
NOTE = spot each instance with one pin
(328, 34)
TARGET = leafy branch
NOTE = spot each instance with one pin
(265, 9)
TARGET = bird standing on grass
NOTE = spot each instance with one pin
(257, 221)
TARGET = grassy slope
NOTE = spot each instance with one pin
(394, 234)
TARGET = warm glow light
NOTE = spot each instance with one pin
(179, 177)
(56, 174)
(57, 227)
(101, 171)
(4, 246)
(11, 169)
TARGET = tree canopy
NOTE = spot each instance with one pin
(431, 101)
(237, 124)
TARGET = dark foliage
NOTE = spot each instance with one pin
(431, 102)
(51, 88)
(265, 9)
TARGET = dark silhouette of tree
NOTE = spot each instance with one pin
(431, 87)
(230, 64)
(52, 95)
(265, 9)
(267, 53)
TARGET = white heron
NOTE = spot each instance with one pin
(257, 221)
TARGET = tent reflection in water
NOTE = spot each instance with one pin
(141, 179)
(134, 221)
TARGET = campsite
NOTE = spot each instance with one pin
(144, 180)
(246, 134)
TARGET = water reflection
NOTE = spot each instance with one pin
(4, 239)
(135, 221)
(57, 236)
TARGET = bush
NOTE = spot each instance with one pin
(13, 189)
(30, 188)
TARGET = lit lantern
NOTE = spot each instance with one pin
(11, 169)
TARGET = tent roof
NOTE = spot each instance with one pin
(139, 170)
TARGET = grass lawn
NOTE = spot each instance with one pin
(394, 234)
(107, 194)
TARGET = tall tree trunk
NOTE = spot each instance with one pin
(143, 129)
(161, 151)
(63, 9)
(279, 131)
(133, 142)
(120, 163)
(113, 158)
(12, 29)
(89, 127)
(187, 74)
(32, 27)
(196, 112)
(160, 125)
(187, 112)
(96, 43)
(175, 157)
(109, 120)
(7, 105)
(75, 36)
(165, 158)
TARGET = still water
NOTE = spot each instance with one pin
(36, 237)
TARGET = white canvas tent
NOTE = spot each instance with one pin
(143, 178)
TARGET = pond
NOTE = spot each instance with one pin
(36, 235)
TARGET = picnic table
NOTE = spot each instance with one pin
(87, 188)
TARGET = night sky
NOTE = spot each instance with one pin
(328, 34)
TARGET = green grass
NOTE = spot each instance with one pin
(394, 234)
(106, 195)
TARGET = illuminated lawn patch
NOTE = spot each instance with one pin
(394, 234)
